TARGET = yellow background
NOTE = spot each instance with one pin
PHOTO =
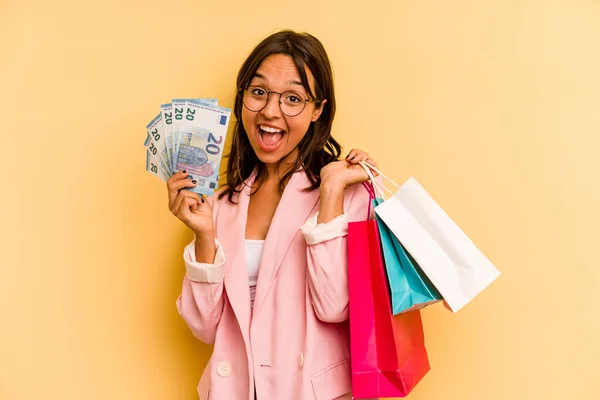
(494, 106)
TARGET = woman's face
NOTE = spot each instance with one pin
(272, 134)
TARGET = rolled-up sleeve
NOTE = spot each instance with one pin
(202, 272)
(317, 233)
(327, 257)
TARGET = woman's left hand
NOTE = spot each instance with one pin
(347, 172)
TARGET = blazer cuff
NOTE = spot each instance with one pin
(317, 233)
(202, 272)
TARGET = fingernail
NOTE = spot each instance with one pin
(194, 181)
(184, 171)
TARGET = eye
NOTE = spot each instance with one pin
(257, 91)
(293, 98)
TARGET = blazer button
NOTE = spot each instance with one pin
(224, 370)
(301, 360)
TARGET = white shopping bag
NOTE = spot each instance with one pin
(455, 266)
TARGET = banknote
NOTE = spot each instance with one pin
(202, 141)
(178, 115)
(153, 166)
(188, 134)
(181, 114)
(154, 153)
(189, 109)
(166, 112)
(155, 141)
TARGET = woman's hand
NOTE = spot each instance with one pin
(191, 208)
(345, 173)
(335, 178)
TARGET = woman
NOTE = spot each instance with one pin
(266, 275)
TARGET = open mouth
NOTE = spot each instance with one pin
(270, 138)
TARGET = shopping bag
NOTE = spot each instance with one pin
(451, 261)
(410, 289)
(388, 355)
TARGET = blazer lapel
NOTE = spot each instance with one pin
(294, 208)
(231, 231)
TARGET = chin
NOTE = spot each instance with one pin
(269, 158)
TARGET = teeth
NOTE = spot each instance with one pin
(269, 129)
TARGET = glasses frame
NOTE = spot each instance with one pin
(244, 91)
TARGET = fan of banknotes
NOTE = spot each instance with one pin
(188, 134)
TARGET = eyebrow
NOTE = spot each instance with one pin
(291, 82)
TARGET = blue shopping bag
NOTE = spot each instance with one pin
(410, 289)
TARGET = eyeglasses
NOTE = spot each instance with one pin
(291, 103)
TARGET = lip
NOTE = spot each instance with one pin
(270, 126)
(263, 147)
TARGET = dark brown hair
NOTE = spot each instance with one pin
(318, 148)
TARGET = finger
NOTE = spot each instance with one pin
(176, 186)
(182, 195)
(200, 205)
(177, 176)
(204, 204)
(188, 193)
(373, 164)
(356, 154)
(185, 207)
(174, 206)
(364, 157)
(358, 157)
(176, 183)
(352, 154)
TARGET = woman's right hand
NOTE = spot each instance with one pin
(191, 208)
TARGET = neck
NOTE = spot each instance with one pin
(276, 171)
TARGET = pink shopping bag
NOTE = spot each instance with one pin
(388, 355)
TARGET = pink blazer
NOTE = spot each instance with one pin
(295, 343)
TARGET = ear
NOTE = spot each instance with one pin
(317, 112)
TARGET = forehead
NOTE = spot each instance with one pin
(279, 70)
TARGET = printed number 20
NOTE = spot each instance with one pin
(213, 148)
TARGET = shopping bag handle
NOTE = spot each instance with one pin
(375, 192)
(377, 187)
(369, 166)
(369, 187)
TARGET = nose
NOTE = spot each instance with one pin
(272, 109)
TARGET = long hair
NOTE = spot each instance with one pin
(317, 148)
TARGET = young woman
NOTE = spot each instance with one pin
(266, 275)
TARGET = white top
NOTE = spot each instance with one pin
(214, 273)
(254, 250)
